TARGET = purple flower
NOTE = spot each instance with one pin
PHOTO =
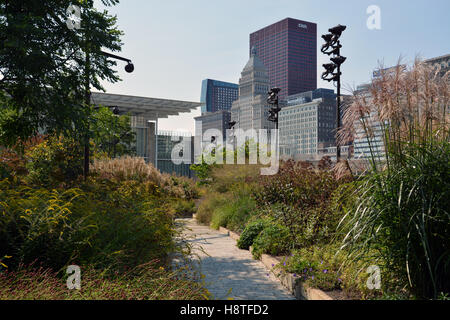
(325, 271)
(312, 277)
(295, 274)
(310, 269)
(340, 280)
(273, 265)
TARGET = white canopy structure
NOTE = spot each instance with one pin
(148, 108)
(143, 110)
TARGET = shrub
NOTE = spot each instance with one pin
(55, 160)
(106, 224)
(136, 169)
(184, 208)
(273, 240)
(208, 205)
(127, 168)
(235, 213)
(227, 177)
(251, 231)
(299, 198)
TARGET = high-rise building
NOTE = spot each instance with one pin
(250, 111)
(288, 49)
(308, 124)
(217, 95)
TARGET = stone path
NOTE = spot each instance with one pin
(226, 267)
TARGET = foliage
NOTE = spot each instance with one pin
(144, 282)
(112, 134)
(202, 172)
(184, 208)
(225, 178)
(273, 240)
(251, 231)
(299, 198)
(105, 224)
(13, 161)
(235, 213)
(208, 205)
(136, 169)
(402, 209)
(43, 64)
(55, 160)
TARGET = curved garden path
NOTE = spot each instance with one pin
(225, 267)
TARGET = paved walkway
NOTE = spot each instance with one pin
(225, 267)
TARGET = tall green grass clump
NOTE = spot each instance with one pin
(403, 201)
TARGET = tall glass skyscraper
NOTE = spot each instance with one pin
(217, 95)
(288, 49)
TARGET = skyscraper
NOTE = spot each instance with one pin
(250, 111)
(288, 49)
(308, 124)
(217, 95)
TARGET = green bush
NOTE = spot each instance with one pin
(235, 213)
(102, 224)
(54, 161)
(208, 205)
(251, 231)
(403, 213)
(273, 240)
(184, 208)
(299, 197)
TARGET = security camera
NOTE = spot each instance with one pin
(337, 31)
(329, 67)
(338, 60)
(327, 37)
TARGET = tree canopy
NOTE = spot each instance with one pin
(43, 62)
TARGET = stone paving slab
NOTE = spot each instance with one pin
(226, 267)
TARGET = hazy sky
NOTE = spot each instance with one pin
(175, 44)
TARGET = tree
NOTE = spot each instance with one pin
(112, 134)
(43, 63)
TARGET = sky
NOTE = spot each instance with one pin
(175, 44)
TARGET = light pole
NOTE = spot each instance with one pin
(273, 112)
(273, 100)
(333, 46)
(128, 68)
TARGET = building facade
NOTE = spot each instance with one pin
(173, 146)
(368, 147)
(308, 124)
(288, 49)
(217, 95)
(213, 120)
(250, 111)
(442, 62)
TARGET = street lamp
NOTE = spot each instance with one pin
(332, 47)
(273, 100)
(128, 68)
